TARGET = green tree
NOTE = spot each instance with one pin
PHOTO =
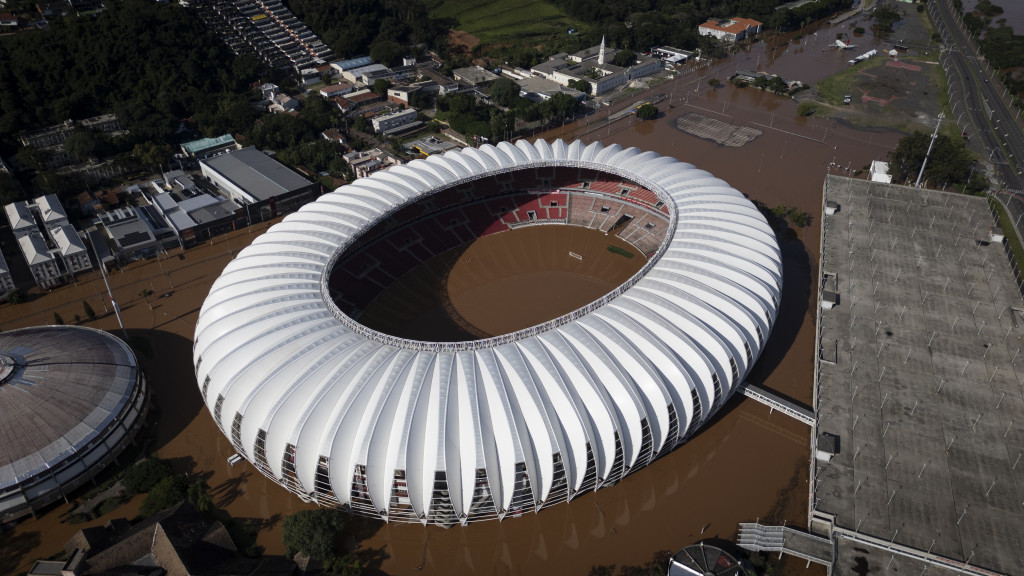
(151, 153)
(199, 495)
(381, 85)
(314, 533)
(885, 16)
(15, 296)
(360, 123)
(714, 82)
(10, 189)
(505, 92)
(163, 495)
(57, 319)
(89, 312)
(581, 85)
(347, 565)
(144, 475)
(624, 58)
(647, 112)
(950, 161)
(82, 145)
(387, 52)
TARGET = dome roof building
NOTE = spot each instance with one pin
(449, 432)
(71, 399)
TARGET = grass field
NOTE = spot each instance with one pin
(495, 22)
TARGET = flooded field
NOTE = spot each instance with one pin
(745, 465)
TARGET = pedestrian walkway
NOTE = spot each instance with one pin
(776, 402)
(760, 538)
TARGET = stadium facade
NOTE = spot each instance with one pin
(454, 432)
(72, 399)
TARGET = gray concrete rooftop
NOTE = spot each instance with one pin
(917, 376)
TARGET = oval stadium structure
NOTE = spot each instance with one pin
(72, 398)
(325, 391)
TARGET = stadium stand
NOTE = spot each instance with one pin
(452, 218)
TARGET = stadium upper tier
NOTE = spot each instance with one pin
(453, 432)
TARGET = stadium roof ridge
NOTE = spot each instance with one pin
(348, 416)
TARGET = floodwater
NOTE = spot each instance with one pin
(1013, 12)
(486, 287)
(746, 464)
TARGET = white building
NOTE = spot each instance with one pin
(6, 280)
(41, 262)
(394, 120)
(50, 245)
(879, 171)
(730, 30)
(455, 432)
(594, 66)
(333, 90)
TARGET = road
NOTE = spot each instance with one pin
(975, 95)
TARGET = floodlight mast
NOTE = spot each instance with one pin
(929, 153)
(110, 293)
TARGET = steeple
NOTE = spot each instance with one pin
(600, 55)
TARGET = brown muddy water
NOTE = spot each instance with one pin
(745, 465)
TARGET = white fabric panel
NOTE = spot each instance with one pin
(285, 357)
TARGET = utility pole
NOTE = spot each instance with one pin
(929, 153)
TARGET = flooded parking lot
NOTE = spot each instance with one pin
(746, 465)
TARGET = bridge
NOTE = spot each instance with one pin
(776, 402)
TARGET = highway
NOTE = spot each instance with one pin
(977, 101)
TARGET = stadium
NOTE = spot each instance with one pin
(488, 332)
(72, 399)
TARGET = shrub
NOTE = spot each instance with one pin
(165, 493)
(89, 312)
(314, 533)
(647, 112)
(143, 476)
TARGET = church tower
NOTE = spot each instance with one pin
(600, 55)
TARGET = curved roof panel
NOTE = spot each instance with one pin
(453, 432)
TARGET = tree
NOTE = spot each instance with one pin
(89, 312)
(199, 495)
(151, 153)
(505, 92)
(647, 112)
(163, 495)
(714, 82)
(777, 85)
(360, 123)
(57, 319)
(82, 145)
(314, 533)
(624, 58)
(581, 85)
(143, 476)
(950, 161)
(15, 296)
(387, 52)
(346, 565)
(381, 85)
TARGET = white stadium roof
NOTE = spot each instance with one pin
(448, 432)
